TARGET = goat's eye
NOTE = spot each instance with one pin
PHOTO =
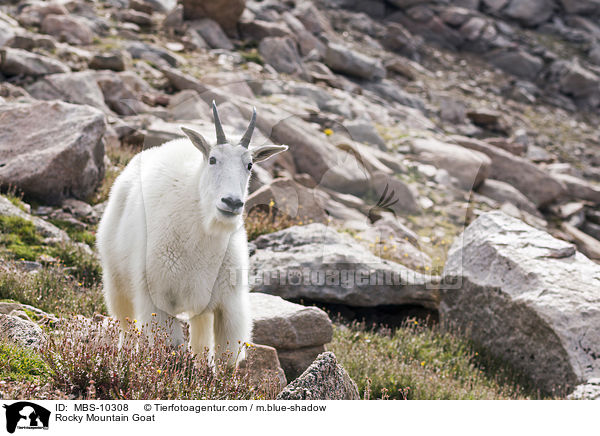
(249, 166)
(212, 160)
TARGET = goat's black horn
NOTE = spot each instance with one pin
(219, 128)
(245, 141)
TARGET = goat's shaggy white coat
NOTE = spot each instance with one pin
(167, 249)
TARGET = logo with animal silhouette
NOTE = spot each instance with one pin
(26, 415)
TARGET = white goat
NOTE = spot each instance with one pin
(172, 240)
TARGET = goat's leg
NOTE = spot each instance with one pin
(150, 317)
(201, 333)
(233, 328)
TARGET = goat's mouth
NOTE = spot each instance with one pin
(229, 212)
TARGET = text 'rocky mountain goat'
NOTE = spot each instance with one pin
(172, 241)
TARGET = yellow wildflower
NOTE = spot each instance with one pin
(328, 132)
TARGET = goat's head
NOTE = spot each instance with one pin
(228, 168)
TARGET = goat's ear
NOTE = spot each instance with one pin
(264, 152)
(198, 141)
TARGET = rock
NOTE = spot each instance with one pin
(33, 14)
(392, 92)
(513, 147)
(395, 189)
(288, 326)
(24, 333)
(535, 184)
(152, 53)
(452, 110)
(312, 18)
(319, 264)
(263, 368)
(225, 12)
(325, 379)
(344, 60)
(587, 391)
(79, 88)
(51, 150)
(80, 210)
(116, 60)
(11, 308)
(587, 244)
(484, 118)
(503, 192)
(362, 130)
(16, 62)
(581, 6)
(122, 92)
(188, 105)
(140, 18)
(527, 297)
(68, 28)
(517, 62)
(211, 32)
(44, 228)
(290, 198)
(307, 42)
(282, 54)
(578, 82)
(530, 12)
(579, 188)
(328, 166)
(297, 332)
(259, 29)
(398, 39)
(469, 167)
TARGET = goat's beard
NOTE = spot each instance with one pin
(220, 222)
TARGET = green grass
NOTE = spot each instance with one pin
(52, 290)
(19, 240)
(75, 233)
(21, 364)
(424, 363)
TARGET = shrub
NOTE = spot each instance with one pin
(419, 362)
(86, 361)
(76, 261)
(261, 221)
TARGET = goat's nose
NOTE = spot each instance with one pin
(233, 203)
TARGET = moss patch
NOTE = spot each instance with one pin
(19, 364)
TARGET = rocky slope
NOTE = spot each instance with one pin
(406, 121)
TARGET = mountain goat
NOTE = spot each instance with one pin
(172, 241)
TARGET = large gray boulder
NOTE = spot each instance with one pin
(517, 62)
(297, 332)
(317, 263)
(16, 62)
(503, 192)
(527, 297)
(282, 54)
(68, 28)
(23, 332)
(344, 60)
(51, 150)
(469, 167)
(225, 12)
(325, 379)
(530, 12)
(541, 188)
(79, 88)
